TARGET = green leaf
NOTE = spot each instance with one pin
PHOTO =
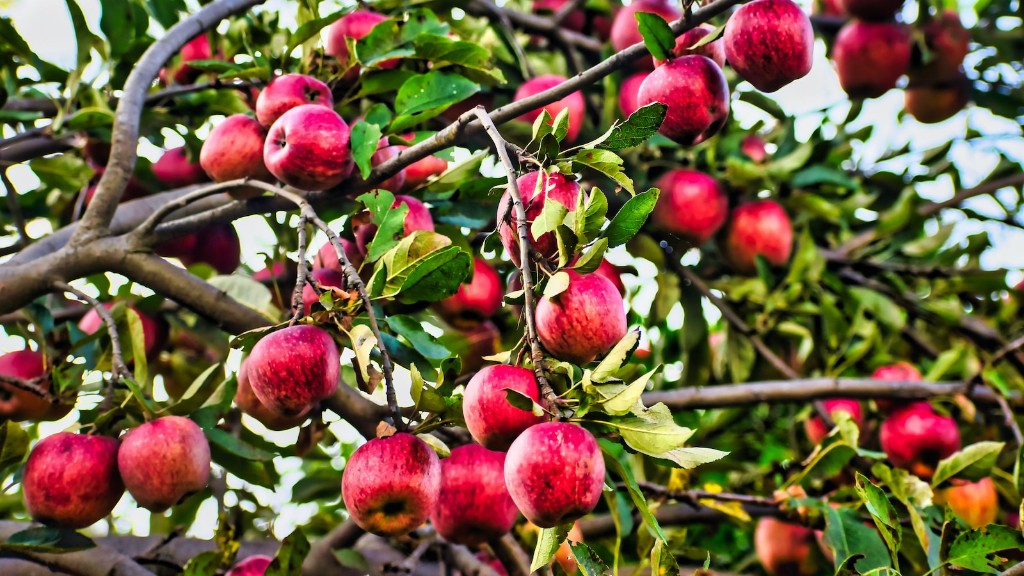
(708, 38)
(589, 216)
(622, 399)
(556, 284)
(389, 221)
(137, 338)
(641, 125)
(310, 29)
(690, 457)
(523, 402)
(47, 540)
(365, 138)
(248, 292)
(616, 357)
(119, 21)
(663, 562)
(636, 495)
(14, 443)
(197, 393)
(421, 341)
(972, 463)
(657, 35)
(237, 446)
(653, 431)
(293, 551)
(631, 217)
(846, 535)
(592, 258)
(425, 96)
(887, 312)
(977, 550)
(65, 172)
(166, 12)
(203, 564)
(822, 174)
(551, 216)
(587, 561)
(382, 43)
(547, 544)
(605, 162)
(883, 514)
(378, 114)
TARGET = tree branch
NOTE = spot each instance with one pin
(118, 368)
(511, 555)
(11, 196)
(98, 561)
(321, 558)
(31, 386)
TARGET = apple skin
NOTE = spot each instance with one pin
(385, 152)
(611, 272)
(294, 368)
(554, 187)
(626, 31)
(422, 170)
(476, 299)
(584, 321)
(629, 93)
(477, 341)
(870, 57)
(234, 149)
(175, 170)
(197, 48)
(71, 480)
(218, 246)
(308, 148)
(828, 8)
(490, 418)
(697, 96)
(753, 147)
(20, 405)
(564, 555)
(356, 25)
(877, 10)
(324, 277)
(692, 204)
(473, 505)
(784, 549)
(290, 91)
(575, 20)
(976, 503)
(915, 438)
(391, 485)
(163, 461)
(154, 330)
(715, 50)
(936, 103)
(251, 566)
(247, 401)
(816, 429)
(573, 101)
(949, 43)
(326, 257)
(758, 228)
(769, 43)
(898, 372)
(555, 473)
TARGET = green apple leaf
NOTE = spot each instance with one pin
(364, 140)
(587, 561)
(631, 217)
(846, 535)
(652, 431)
(592, 258)
(290, 556)
(972, 463)
(606, 162)
(47, 540)
(977, 550)
(641, 125)
(658, 37)
(547, 544)
(424, 343)
(14, 443)
(883, 514)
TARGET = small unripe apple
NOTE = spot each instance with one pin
(175, 170)
(758, 228)
(871, 9)
(234, 149)
(784, 549)
(154, 330)
(769, 43)
(715, 50)
(898, 372)
(218, 246)
(976, 503)
(555, 473)
(292, 369)
(692, 204)
(573, 102)
(290, 91)
(490, 418)
(948, 43)
(554, 187)
(870, 57)
(20, 405)
(325, 278)
(71, 480)
(915, 438)
(473, 506)
(582, 322)
(625, 29)
(308, 148)
(247, 401)
(477, 298)
(391, 485)
(629, 93)
(251, 566)
(163, 461)
(815, 428)
(697, 96)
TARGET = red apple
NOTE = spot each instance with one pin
(134, 189)
(247, 401)
(625, 29)
(611, 272)
(491, 562)
(163, 461)
(325, 278)
(758, 228)
(916, 438)
(976, 503)
(573, 102)
(575, 20)
(180, 247)
(629, 93)
(473, 506)
(784, 549)
(20, 405)
(291, 91)
(828, 8)
(490, 418)
(815, 428)
(938, 102)
(871, 56)
(417, 218)
(154, 330)
(753, 147)
(477, 342)
(234, 149)
(293, 368)
(555, 473)
(554, 187)
(692, 204)
(697, 96)
(71, 480)
(217, 246)
(948, 43)
(479, 297)
(769, 43)
(584, 321)
(355, 25)
(175, 170)
(715, 50)
(391, 485)
(251, 566)
(422, 170)
(197, 48)
(871, 9)
(327, 257)
(308, 148)
(898, 372)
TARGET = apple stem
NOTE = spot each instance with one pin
(118, 368)
(300, 282)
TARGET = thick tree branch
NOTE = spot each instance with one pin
(511, 555)
(98, 561)
(321, 558)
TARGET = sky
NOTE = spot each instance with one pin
(46, 26)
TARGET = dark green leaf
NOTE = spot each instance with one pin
(631, 217)
(364, 138)
(977, 550)
(972, 463)
(657, 35)
(293, 551)
(587, 561)
(641, 125)
(14, 443)
(846, 535)
(547, 544)
(421, 341)
(47, 540)
(236, 446)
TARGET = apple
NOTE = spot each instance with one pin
(759, 228)
(491, 562)
(915, 438)
(197, 48)
(134, 189)
(938, 102)
(234, 149)
(715, 50)
(355, 25)
(948, 43)
(828, 8)
(479, 297)
(252, 566)
(871, 9)
(769, 43)
(163, 461)
(535, 190)
(626, 31)
(611, 272)
(976, 503)
(784, 549)
(423, 169)
(327, 257)
(292, 369)
(753, 147)
(815, 428)
(475, 343)
(575, 20)
(291, 91)
(180, 247)
(573, 102)
(325, 278)
(582, 322)
(279, 277)
(71, 480)
(692, 204)
(870, 57)
(555, 473)
(247, 401)
(629, 93)
(20, 405)
(898, 372)
(473, 505)
(391, 485)
(697, 96)
(385, 152)
(308, 148)
(564, 555)
(490, 418)
(154, 330)
(175, 170)
(218, 246)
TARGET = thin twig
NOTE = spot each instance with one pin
(31, 386)
(11, 195)
(409, 564)
(118, 368)
(694, 496)
(300, 281)
(147, 227)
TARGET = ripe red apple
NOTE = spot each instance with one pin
(218, 246)
(71, 480)
(293, 368)
(815, 428)
(391, 485)
(247, 401)
(625, 29)
(422, 170)
(715, 50)
(251, 566)
(611, 272)
(575, 20)
(197, 48)
(477, 298)
(163, 461)
(384, 153)
(915, 438)
(324, 277)
(898, 372)
(948, 43)
(355, 25)
(753, 147)
(938, 102)
(697, 96)
(828, 8)
(180, 247)
(574, 102)
(326, 257)
(134, 189)
(234, 149)
(692, 204)
(784, 549)
(769, 43)
(584, 321)
(154, 330)
(291, 91)
(20, 405)
(871, 9)
(477, 342)
(871, 56)
(564, 555)
(629, 93)
(758, 228)
(554, 472)
(491, 562)
(554, 187)
(490, 418)
(308, 148)
(473, 505)
(175, 170)
(976, 503)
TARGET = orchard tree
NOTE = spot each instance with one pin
(552, 286)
